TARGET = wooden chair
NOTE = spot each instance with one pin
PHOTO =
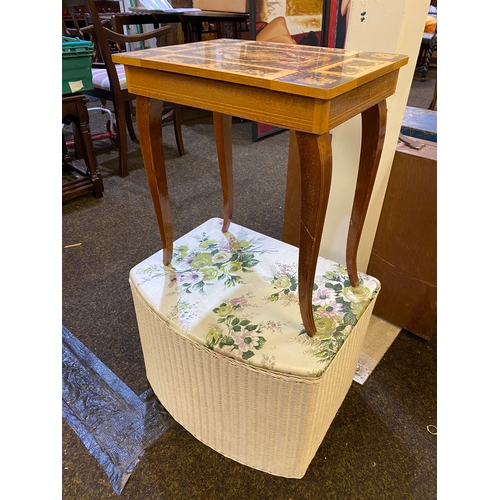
(108, 78)
(429, 41)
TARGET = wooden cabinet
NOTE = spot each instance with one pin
(404, 254)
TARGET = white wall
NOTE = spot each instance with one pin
(393, 26)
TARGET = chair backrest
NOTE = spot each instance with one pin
(89, 25)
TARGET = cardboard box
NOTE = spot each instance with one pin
(223, 5)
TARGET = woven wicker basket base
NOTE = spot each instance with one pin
(268, 421)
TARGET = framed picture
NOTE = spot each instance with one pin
(310, 22)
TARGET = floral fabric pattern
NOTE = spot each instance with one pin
(236, 293)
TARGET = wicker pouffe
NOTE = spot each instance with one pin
(226, 352)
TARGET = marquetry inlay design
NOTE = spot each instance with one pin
(322, 72)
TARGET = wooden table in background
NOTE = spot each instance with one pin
(309, 90)
(192, 21)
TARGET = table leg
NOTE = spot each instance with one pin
(194, 29)
(291, 221)
(223, 141)
(315, 156)
(149, 113)
(373, 122)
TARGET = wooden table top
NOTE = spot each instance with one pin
(318, 72)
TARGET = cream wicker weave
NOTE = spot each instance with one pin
(226, 353)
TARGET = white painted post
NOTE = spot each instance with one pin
(393, 26)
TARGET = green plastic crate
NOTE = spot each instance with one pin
(76, 65)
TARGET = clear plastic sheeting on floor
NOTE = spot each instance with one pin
(115, 424)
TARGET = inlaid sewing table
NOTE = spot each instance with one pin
(309, 90)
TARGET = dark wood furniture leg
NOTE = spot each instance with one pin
(194, 31)
(223, 141)
(174, 115)
(291, 222)
(128, 119)
(373, 125)
(74, 111)
(121, 131)
(149, 117)
(88, 152)
(315, 156)
(177, 128)
(77, 143)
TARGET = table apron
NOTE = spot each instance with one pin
(281, 109)
(243, 101)
(361, 98)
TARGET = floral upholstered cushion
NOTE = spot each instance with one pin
(236, 294)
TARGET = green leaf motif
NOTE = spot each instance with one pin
(261, 343)
(350, 319)
(324, 355)
(232, 281)
(226, 340)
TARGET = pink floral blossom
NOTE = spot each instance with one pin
(246, 340)
(323, 296)
(336, 310)
(239, 301)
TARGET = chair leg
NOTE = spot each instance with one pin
(128, 118)
(121, 125)
(428, 54)
(178, 129)
(175, 115)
